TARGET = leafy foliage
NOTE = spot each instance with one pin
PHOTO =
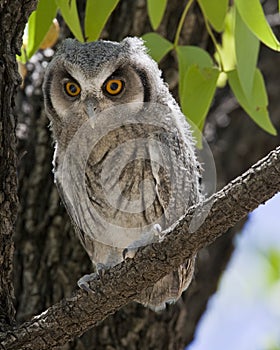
(273, 257)
(70, 14)
(256, 104)
(97, 14)
(196, 74)
(242, 25)
(253, 16)
(156, 9)
(215, 11)
(246, 50)
(158, 46)
(39, 23)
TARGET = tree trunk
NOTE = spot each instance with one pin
(48, 257)
(10, 43)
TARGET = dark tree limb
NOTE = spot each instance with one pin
(120, 285)
(13, 17)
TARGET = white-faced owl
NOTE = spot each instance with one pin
(124, 163)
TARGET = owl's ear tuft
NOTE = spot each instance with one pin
(134, 44)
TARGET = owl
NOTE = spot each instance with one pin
(124, 162)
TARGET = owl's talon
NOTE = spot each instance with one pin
(124, 253)
(129, 253)
(154, 235)
(100, 270)
(159, 234)
(83, 282)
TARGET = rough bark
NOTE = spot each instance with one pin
(48, 257)
(11, 12)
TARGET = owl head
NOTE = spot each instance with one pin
(87, 78)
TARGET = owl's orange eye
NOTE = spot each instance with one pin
(72, 89)
(114, 86)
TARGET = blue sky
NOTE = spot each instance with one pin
(245, 312)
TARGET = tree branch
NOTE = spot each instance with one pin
(73, 316)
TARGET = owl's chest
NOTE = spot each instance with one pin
(128, 180)
(131, 179)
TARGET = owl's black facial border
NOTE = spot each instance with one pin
(48, 99)
(145, 82)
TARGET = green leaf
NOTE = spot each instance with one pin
(39, 24)
(225, 54)
(247, 49)
(227, 49)
(215, 11)
(97, 14)
(199, 87)
(197, 84)
(157, 45)
(187, 56)
(69, 12)
(156, 9)
(256, 106)
(22, 57)
(274, 260)
(252, 14)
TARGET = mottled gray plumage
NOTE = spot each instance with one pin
(124, 162)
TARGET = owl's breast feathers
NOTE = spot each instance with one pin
(135, 177)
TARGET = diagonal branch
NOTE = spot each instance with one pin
(73, 316)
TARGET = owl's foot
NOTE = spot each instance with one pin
(100, 269)
(158, 233)
(83, 282)
(152, 236)
(129, 253)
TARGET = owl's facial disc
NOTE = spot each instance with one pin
(75, 92)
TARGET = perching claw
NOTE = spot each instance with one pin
(152, 236)
(83, 282)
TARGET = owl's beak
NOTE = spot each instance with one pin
(91, 107)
